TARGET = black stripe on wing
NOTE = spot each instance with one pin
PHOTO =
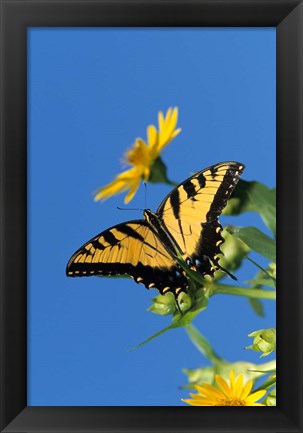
(225, 190)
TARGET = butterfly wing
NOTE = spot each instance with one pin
(131, 248)
(190, 214)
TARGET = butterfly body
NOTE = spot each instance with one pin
(160, 230)
(186, 224)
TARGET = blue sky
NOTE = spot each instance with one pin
(91, 93)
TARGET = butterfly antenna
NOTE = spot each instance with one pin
(129, 208)
(145, 189)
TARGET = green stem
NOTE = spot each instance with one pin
(268, 384)
(241, 291)
(267, 367)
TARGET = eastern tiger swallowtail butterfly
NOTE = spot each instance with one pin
(185, 222)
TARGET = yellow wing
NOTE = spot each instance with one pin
(131, 248)
(190, 214)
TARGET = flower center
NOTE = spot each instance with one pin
(230, 402)
(138, 154)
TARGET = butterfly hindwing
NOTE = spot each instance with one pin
(190, 213)
(130, 248)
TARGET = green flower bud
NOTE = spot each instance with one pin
(163, 304)
(184, 301)
(264, 341)
(234, 251)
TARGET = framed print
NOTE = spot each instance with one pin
(203, 102)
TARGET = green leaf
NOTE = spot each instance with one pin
(257, 241)
(254, 196)
(262, 278)
(158, 173)
(257, 306)
(201, 343)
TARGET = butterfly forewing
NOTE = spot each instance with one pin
(190, 214)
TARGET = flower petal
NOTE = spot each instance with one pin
(152, 136)
(238, 386)
(167, 126)
(161, 120)
(173, 119)
(255, 396)
(123, 181)
(207, 389)
(175, 133)
(246, 390)
(132, 192)
(223, 385)
(115, 187)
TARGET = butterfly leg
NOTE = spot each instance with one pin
(178, 306)
(216, 262)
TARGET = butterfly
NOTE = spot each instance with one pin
(186, 223)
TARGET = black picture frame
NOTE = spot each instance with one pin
(16, 17)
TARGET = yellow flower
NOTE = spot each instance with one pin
(142, 156)
(234, 394)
